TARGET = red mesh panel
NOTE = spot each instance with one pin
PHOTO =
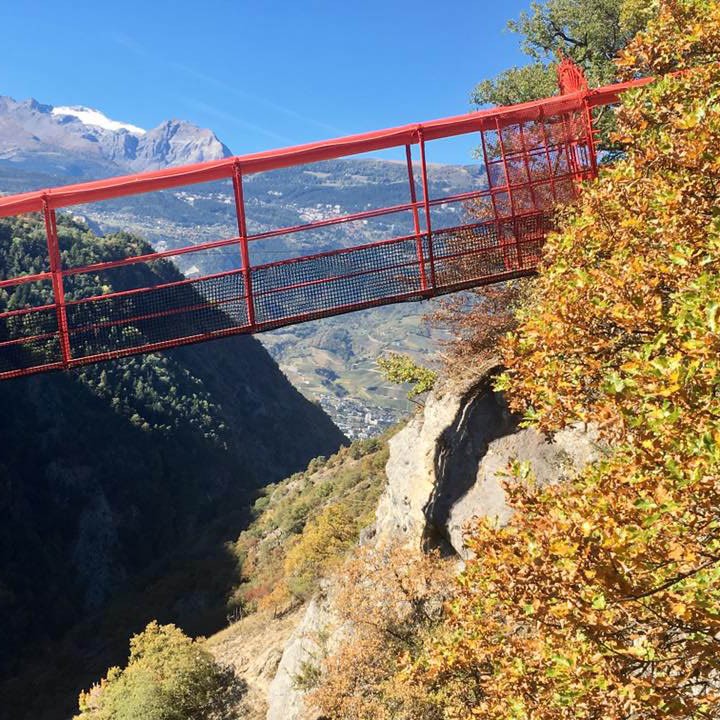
(28, 328)
(325, 284)
(137, 318)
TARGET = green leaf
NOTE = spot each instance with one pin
(599, 602)
(712, 316)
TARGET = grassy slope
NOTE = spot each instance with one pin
(284, 551)
(287, 515)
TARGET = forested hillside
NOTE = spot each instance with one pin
(106, 469)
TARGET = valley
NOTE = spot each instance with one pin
(331, 361)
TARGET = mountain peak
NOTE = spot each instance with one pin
(82, 142)
(177, 142)
(33, 104)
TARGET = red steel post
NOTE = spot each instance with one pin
(592, 150)
(508, 184)
(244, 253)
(488, 165)
(416, 218)
(57, 282)
(526, 160)
(551, 169)
(573, 165)
(426, 201)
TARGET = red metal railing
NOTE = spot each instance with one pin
(535, 155)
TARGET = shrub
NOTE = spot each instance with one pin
(168, 677)
(392, 599)
(319, 550)
(403, 369)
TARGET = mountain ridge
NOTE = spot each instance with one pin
(81, 142)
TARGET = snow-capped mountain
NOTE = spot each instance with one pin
(94, 118)
(81, 142)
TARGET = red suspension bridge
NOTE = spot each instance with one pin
(535, 155)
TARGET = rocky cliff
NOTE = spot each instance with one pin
(445, 468)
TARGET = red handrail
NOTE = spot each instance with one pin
(167, 178)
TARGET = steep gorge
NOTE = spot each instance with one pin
(107, 471)
(444, 467)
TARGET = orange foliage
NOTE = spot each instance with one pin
(600, 599)
(391, 598)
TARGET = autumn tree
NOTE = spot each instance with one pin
(591, 32)
(168, 677)
(601, 597)
(389, 600)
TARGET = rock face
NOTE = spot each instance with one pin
(446, 467)
(551, 459)
(285, 699)
(433, 461)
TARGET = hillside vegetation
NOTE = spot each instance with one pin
(600, 598)
(302, 530)
(306, 524)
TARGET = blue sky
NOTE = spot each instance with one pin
(261, 74)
